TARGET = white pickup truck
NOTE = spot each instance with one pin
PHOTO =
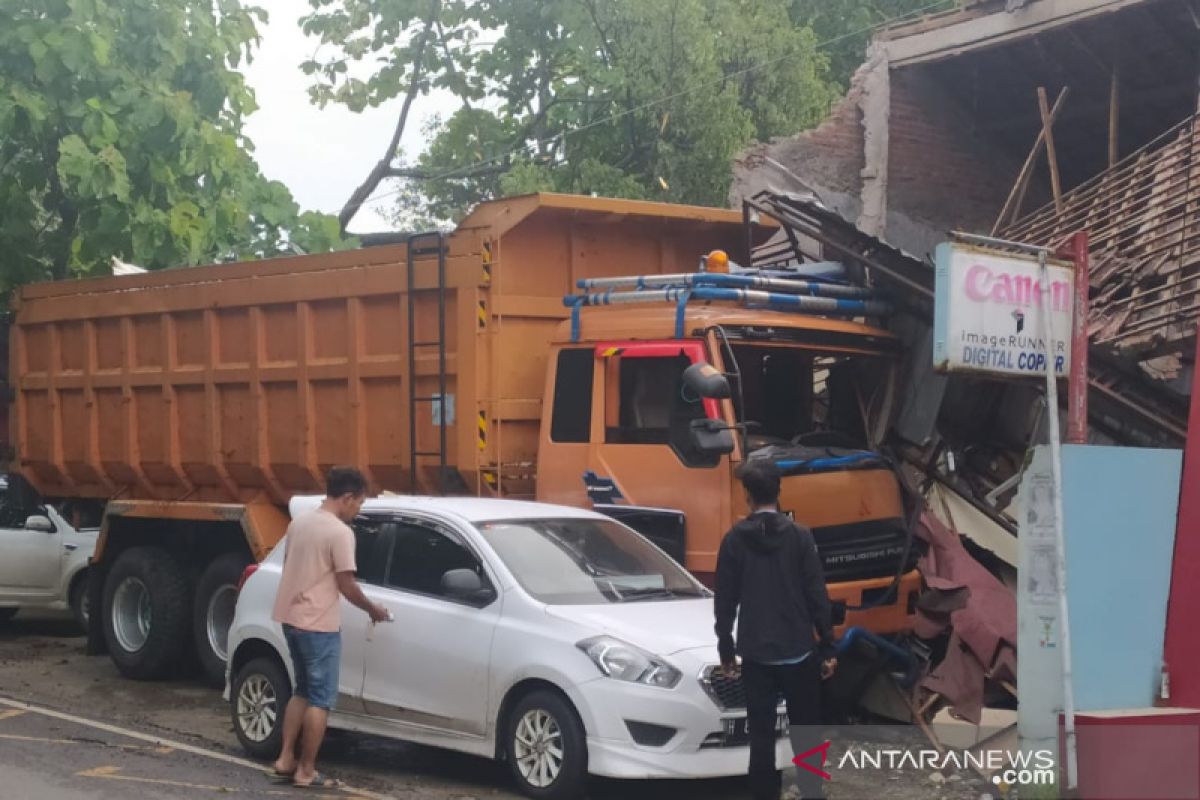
(44, 552)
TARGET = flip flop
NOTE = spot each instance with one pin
(319, 781)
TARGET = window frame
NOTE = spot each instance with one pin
(455, 535)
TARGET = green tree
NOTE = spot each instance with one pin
(846, 25)
(121, 135)
(618, 97)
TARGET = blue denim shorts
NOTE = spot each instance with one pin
(316, 657)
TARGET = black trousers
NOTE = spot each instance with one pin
(800, 685)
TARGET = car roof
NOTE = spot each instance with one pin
(472, 509)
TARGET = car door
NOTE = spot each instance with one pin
(373, 538)
(430, 666)
(30, 560)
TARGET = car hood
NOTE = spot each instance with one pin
(662, 627)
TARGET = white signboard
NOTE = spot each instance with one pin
(987, 312)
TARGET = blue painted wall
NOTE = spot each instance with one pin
(1120, 505)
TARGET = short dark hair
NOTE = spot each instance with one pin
(344, 480)
(761, 479)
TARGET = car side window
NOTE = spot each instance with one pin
(422, 555)
(372, 543)
(17, 503)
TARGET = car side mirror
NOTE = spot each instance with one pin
(705, 381)
(711, 436)
(39, 522)
(466, 585)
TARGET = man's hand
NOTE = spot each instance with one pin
(828, 667)
(378, 613)
(731, 669)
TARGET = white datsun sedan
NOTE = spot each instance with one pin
(43, 556)
(554, 638)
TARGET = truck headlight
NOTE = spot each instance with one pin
(624, 662)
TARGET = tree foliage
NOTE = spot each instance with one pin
(618, 97)
(121, 135)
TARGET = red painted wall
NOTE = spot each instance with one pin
(1182, 649)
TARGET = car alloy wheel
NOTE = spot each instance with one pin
(538, 748)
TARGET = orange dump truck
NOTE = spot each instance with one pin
(195, 402)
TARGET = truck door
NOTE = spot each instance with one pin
(641, 443)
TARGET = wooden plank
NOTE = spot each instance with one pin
(1012, 205)
(1051, 154)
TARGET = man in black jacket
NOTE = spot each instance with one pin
(769, 577)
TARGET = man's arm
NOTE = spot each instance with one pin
(728, 597)
(350, 590)
(816, 596)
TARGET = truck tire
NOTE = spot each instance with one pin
(212, 614)
(258, 695)
(145, 612)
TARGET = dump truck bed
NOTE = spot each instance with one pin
(241, 382)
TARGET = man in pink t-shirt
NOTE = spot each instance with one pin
(318, 570)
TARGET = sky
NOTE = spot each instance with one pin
(322, 155)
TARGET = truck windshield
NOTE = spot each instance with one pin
(798, 396)
(587, 562)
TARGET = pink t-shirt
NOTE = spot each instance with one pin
(319, 545)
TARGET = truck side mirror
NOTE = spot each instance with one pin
(704, 380)
(711, 436)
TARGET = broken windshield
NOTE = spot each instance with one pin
(792, 395)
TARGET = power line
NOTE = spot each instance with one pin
(456, 172)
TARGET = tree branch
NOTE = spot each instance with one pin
(377, 173)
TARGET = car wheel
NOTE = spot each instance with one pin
(7, 614)
(145, 612)
(546, 747)
(258, 695)
(80, 606)
(212, 614)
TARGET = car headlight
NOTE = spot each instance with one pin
(623, 661)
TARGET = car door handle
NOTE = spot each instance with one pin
(70, 548)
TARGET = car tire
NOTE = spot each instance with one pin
(212, 614)
(80, 607)
(545, 718)
(6, 614)
(146, 613)
(258, 695)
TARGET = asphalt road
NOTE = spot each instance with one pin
(72, 727)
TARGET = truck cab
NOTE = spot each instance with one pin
(813, 394)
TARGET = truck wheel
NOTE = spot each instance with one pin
(145, 612)
(80, 607)
(257, 697)
(212, 614)
(546, 747)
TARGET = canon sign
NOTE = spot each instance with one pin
(988, 308)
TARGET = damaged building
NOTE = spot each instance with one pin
(1027, 121)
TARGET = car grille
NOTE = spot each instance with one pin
(727, 693)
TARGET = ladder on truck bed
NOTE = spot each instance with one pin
(421, 245)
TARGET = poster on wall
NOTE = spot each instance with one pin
(987, 312)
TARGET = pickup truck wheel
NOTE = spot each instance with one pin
(7, 614)
(145, 612)
(80, 607)
(258, 695)
(546, 747)
(212, 614)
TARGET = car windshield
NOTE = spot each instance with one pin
(587, 561)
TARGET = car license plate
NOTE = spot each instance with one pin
(737, 730)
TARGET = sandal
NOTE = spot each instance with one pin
(319, 781)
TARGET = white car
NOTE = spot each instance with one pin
(554, 638)
(43, 557)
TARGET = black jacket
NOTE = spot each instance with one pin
(769, 577)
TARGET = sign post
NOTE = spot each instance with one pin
(985, 301)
